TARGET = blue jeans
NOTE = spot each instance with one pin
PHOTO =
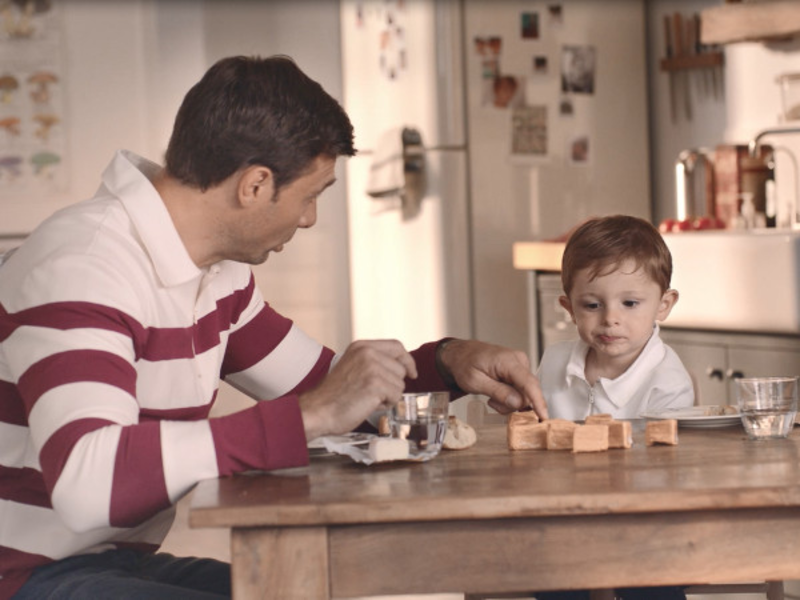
(129, 575)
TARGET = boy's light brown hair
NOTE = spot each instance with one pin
(603, 243)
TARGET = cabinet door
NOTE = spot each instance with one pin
(706, 364)
(760, 362)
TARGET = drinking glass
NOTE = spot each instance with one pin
(421, 418)
(767, 405)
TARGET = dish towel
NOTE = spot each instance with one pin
(387, 171)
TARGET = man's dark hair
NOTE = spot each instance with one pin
(255, 111)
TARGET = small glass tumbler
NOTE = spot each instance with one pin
(767, 405)
(421, 418)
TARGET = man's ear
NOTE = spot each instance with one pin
(668, 300)
(567, 305)
(256, 183)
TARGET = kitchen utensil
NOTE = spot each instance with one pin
(680, 50)
(670, 52)
(694, 184)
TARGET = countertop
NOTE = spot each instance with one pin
(538, 256)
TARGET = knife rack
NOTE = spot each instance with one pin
(698, 61)
(683, 52)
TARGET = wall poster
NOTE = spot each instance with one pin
(33, 140)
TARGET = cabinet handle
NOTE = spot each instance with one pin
(715, 373)
(734, 374)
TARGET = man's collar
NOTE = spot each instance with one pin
(129, 176)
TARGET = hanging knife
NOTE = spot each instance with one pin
(673, 100)
(699, 49)
(679, 51)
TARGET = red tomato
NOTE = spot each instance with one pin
(703, 223)
(684, 225)
(666, 225)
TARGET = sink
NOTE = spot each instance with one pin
(736, 280)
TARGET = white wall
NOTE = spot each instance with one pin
(105, 101)
(308, 281)
(128, 65)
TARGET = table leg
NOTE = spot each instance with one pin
(287, 563)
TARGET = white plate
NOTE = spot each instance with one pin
(696, 416)
(352, 439)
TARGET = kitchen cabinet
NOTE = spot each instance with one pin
(714, 359)
(753, 21)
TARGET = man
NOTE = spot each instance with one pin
(119, 315)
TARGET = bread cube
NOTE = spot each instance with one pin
(602, 418)
(620, 434)
(664, 431)
(526, 432)
(559, 434)
(590, 438)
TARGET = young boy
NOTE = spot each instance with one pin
(616, 273)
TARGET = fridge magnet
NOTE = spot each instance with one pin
(529, 131)
(507, 91)
(392, 55)
(556, 14)
(488, 49)
(578, 69)
(529, 23)
(540, 65)
(578, 150)
(565, 108)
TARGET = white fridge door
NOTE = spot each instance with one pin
(409, 280)
(409, 277)
(402, 66)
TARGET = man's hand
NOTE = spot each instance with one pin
(500, 373)
(369, 375)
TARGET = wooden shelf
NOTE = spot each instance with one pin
(695, 61)
(750, 21)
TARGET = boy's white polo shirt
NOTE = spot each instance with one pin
(657, 380)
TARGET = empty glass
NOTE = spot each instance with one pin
(767, 405)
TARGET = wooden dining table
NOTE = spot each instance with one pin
(716, 508)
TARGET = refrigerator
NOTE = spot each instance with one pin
(409, 269)
(533, 117)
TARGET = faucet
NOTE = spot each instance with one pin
(753, 147)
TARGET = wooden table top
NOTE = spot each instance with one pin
(709, 469)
